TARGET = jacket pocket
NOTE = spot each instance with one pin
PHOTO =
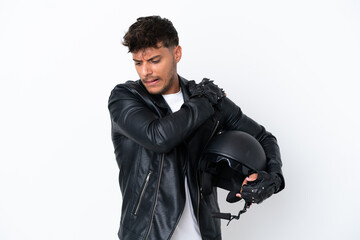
(147, 179)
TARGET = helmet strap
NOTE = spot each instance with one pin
(228, 216)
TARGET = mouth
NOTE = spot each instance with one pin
(151, 81)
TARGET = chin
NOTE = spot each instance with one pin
(154, 91)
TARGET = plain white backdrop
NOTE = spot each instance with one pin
(293, 66)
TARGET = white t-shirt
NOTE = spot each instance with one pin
(187, 227)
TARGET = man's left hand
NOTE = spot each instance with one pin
(259, 186)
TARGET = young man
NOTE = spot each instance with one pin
(160, 124)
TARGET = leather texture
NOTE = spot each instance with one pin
(206, 88)
(155, 148)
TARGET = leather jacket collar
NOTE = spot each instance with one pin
(158, 99)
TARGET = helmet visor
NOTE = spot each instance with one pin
(235, 165)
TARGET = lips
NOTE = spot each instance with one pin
(151, 81)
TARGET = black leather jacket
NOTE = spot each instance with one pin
(154, 148)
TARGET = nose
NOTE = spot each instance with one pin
(146, 69)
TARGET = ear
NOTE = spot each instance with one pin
(177, 53)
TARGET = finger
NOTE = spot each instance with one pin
(247, 197)
(244, 182)
(252, 177)
(248, 189)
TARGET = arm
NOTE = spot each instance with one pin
(133, 118)
(235, 119)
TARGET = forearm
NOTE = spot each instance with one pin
(134, 119)
(237, 120)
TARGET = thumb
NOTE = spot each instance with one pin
(251, 178)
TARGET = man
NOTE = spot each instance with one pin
(160, 124)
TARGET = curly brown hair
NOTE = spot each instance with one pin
(149, 32)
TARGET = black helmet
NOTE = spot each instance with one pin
(227, 160)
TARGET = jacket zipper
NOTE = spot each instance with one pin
(198, 210)
(157, 195)
(142, 192)
(198, 190)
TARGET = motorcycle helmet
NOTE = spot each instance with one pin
(227, 160)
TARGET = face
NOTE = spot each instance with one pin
(157, 69)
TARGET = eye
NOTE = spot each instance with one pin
(137, 63)
(155, 61)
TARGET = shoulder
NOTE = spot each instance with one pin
(128, 88)
(130, 84)
(130, 91)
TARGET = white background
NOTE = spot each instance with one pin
(293, 66)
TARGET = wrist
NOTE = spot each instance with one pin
(277, 181)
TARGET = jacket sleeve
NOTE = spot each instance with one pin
(235, 119)
(132, 118)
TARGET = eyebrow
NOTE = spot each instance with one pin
(150, 59)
